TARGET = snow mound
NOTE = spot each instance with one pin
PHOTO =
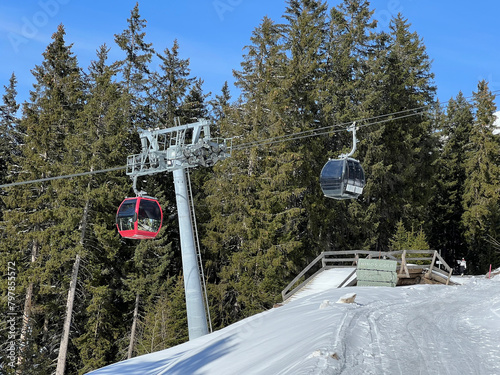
(347, 298)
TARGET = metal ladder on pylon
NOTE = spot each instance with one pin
(198, 248)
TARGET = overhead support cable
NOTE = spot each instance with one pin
(275, 140)
(61, 177)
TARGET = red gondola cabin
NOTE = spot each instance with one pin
(139, 218)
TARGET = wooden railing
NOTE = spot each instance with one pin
(349, 258)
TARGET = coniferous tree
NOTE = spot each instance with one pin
(135, 68)
(304, 39)
(237, 218)
(303, 89)
(151, 267)
(219, 233)
(266, 237)
(136, 81)
(9, 148)
(352, 49)
(165, 320)
(481, 186)
(194, 105)
(408, 240)
(9, 261)
(9, 129)
(153, 262)
(220, 105)
(399, 153)
(399, 240)
(170, 86)
(37, 212)
(101, 140)
(447, 209)
(149, 281)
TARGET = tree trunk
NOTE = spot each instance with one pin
(134, 327)
(63, 349)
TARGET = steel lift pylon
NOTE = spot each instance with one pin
(175, 150)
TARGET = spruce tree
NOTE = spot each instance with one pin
(351, 52)
(288, 198)
(170, 86)
(219, 106)
(101, 140)
(153, 264)
(9, 129)
(165, 321)
(38, 219)
(481, 187)
(138, 84)
(408, 240)
(347, 94)
(398, 154)
(262, 221)
(152, 269)
(237, 217)
(194, 105)
(304, 38)
(10, 138)
(447, 210)
(399, 240)
(135, 68)
(9, 261)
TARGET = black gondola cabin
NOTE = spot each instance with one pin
(139, 218)
(342, 179)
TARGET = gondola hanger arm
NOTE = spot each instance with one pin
(352, 129)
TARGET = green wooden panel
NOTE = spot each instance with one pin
(375, 275)
(377, 264)
(375, 283)
(377, 272)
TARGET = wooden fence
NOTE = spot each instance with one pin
(410, 262)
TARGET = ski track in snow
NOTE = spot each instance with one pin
(407, 337)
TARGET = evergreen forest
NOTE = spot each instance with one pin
(83, 297)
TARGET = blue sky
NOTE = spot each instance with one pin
(462, 37)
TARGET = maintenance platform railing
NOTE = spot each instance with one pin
(412, 264)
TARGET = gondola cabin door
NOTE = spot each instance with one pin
(139, 218)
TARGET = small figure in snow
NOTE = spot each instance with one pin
(463, 266)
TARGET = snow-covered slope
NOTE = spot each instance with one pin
(424, 329)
